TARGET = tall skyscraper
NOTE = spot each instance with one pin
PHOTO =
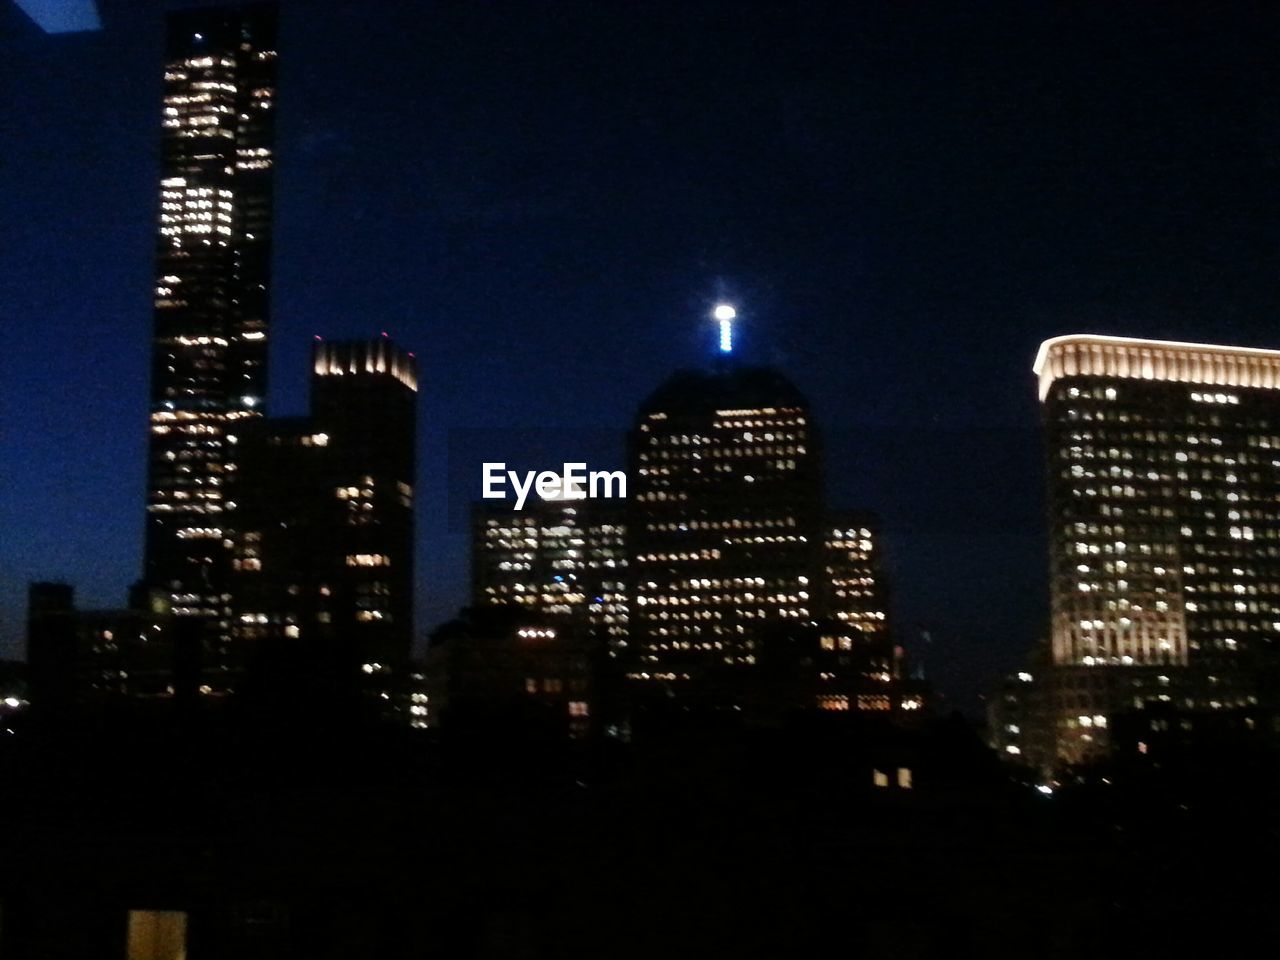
(212, 300)
(725, 512)
(745, 593)
(1164, 511)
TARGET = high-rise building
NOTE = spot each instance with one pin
(857, 595)
(745, 593)
(1164, 511)
(858, 664)
(323, 576)
(565, 559)
(212, 300)
(726, 509)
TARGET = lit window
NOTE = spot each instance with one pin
(157, 935)
(368, 560)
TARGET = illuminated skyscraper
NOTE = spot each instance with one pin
(725, 514)
(212, 296)
(1164, 509)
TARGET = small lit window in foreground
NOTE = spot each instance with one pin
(157, 935)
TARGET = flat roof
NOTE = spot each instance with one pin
(1261, 368)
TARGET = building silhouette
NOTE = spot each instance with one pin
(86, 660)
(322, 572)
(1163, 463)
(514, 673)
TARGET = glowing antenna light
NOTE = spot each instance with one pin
(725, 315)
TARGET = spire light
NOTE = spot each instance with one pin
(725, 315)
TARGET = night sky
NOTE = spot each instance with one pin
(543, 200)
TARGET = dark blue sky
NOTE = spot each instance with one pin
(542, 200)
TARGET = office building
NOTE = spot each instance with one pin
(562, 559)
(1163, 464)
(81, 658)
(323, 567)
(513, 671)
(212, 302)
(726, 507)
(858, 664)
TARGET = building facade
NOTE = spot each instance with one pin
(563, 559)
(859, 665)
(323, 566)
(1163, 464)
(212, 301)
(723, 531)
(510, 670)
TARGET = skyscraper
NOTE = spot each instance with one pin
(1164, 511)
(323, 580)
(725, 514)
(212, 297)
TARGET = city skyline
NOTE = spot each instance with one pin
(890, 436)
(887, 409)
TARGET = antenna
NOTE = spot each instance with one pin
(725, 315)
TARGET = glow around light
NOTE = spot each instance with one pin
(725, 314)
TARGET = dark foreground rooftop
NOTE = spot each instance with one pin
(701, 841)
